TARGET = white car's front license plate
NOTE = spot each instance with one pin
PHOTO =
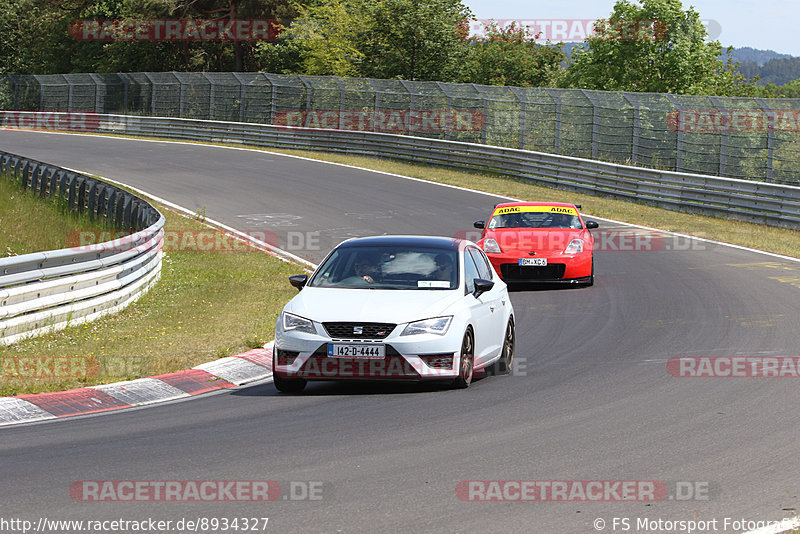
(539, 262)
(360, 350)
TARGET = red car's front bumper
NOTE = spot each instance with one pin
(560, 268)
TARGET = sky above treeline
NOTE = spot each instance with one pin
(763, 24)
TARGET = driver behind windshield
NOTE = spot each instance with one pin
(367, 267)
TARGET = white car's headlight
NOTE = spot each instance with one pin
(297, 323)
(575, 246)
(490, 245)
(437, 325)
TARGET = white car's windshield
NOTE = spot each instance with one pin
(391, 267)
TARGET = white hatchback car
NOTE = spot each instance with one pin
(395, 307)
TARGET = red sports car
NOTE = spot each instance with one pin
(539, 242)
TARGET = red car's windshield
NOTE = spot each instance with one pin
(534, 219)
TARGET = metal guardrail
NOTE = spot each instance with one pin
(760, 202)
(47, 291)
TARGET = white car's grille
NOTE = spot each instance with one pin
(358, 330)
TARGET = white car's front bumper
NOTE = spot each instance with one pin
(418, 356)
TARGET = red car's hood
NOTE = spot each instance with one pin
(535, 239)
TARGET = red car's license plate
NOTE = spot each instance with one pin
(539, 262)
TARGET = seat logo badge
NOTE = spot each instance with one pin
(358, 329)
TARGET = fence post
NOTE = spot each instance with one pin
(272, 104)
(485, 98)
(16, 92)
(309, 90)
(723, 139)
(595, 126)
(41, 92)
(97, 84)
(181, 94)
(446, 109)
(636, 124)
(70, 92)
(210, 96)
(341, 101)
(679, 141)
(770, 136)
(523, 110)
(557, 140)
(411, 94)
(377, 107)
(125, 96)
(152, 94)
(242, 94)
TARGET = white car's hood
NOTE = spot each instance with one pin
(372, 305)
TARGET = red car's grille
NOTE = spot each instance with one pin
(512, 271)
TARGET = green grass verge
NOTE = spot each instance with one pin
(19, 208)
(206, 305)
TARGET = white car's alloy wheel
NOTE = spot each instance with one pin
(466, 362)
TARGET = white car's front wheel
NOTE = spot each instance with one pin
(505, 364)
(288, 385)
(466, 362)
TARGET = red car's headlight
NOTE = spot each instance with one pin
(491, 246)
(575, 246)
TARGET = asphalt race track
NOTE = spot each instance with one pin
(591, 399)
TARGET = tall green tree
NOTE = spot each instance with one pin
(36, 38)
(653, 46)
(416, 39)
(511, 56)
(328, 37)
(787, 90)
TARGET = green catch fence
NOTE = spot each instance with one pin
(748, 138)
